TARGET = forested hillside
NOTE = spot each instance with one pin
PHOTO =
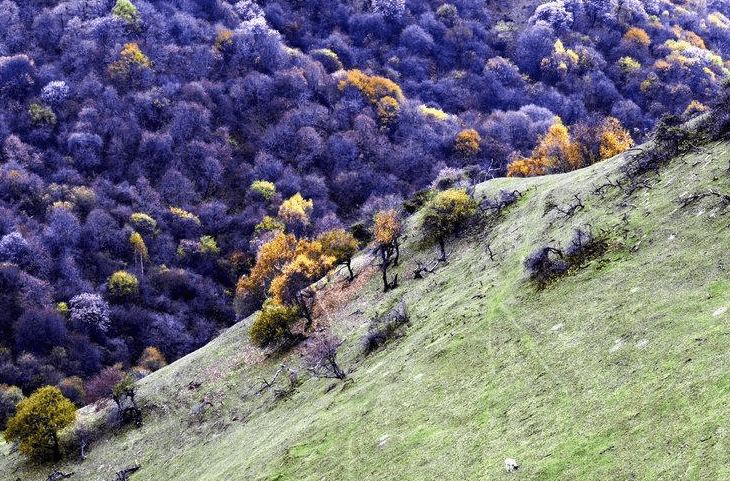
(149, 148)
(578, 327)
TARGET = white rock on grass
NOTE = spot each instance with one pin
(617, 345)
(510, 465)
(720, 311)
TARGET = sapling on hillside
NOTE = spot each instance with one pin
(322, 359)
(446, 214)
(123, 395)
(387, 231)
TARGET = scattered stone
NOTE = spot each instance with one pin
(618, 345)
(510, 465)
(557, 327)
(383, 440)
(642, 343)
(720, 311)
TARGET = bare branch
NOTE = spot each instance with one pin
(322, 359)
(573, 208)
(267, 384)
(123, 475)
(685, 201)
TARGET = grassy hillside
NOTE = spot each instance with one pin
(617, 371)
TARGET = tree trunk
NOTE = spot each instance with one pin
(385, 278)
(304, 308)
(442, 246)
(349, 269)
(56, 449)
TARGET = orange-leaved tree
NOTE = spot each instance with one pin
(554, 152)
(131, 60)
(386, 233)
(271, 259)
(466, 143)
(292, 286)
(371, 86)
(561, 150)
(614, 139)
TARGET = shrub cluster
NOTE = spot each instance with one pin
(385, 327)
(549, 263)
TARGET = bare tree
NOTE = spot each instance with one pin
(322, 359)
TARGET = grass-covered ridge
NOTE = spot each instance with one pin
(618, 370)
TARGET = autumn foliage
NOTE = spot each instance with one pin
(386, 232)
(388, 227)
(152, 359)
(37, 422)
(371, 86)
(295, 213)
(638, 36)
(286, 267)
(563, 150)
(341, 245)
(131, 59)
(291, 287)
(445, 214)
(466, 143)
(271, 259)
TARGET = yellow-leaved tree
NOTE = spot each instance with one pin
(37, 422)
(614, 139)
(466, 143)
(294, 213)
(445, 214)
(285, 270)
(341, 245)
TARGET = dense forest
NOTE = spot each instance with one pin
(149, 148)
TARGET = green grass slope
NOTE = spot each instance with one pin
(618, 371)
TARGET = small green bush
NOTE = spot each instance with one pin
(269, 224)
(40, 114)
(126, 10)
(273, 323)
(446, 213)
(208, 245)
